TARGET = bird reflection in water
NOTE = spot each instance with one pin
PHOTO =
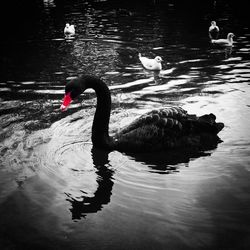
(159, 163)
(157, 78)
(228, 52)
(103, 192)
(168, 162)
(154, 75)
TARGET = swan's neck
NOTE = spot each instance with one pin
(100, 127)
(230, 39)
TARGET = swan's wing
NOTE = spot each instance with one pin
(72, 28)
(168, 128)
(220, 41)
(159, 117)
(150, 64)
(214, 28)
(148, 137)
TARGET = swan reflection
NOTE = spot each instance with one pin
(227, 51)
(103, 192)
(157, 163)
(168, 162)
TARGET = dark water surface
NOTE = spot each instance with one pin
(56, 192)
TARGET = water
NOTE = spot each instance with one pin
(56, 192)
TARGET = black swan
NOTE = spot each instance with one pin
(157, 130)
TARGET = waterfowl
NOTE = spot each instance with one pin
(157, 130)
(224, 42)
(151, 64)
(213, 31)
(69, 30)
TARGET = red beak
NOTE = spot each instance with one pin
(66, 101)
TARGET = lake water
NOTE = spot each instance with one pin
(56, 192)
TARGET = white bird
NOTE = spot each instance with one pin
(213, 30)
(69, 30)
(224, 42)
(151, 64)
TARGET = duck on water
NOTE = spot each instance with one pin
(69, 30)
(157, 130)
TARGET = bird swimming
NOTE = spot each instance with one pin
(213, 31)
(224, 42)
(158, 130)
(151, 64)
(69, 30)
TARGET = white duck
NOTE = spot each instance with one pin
(151, 64)
(224, 42)
(69, 30)
(213, 30)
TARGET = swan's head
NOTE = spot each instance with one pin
(230, 35)
(213, 23)
(158, 59)
(72, 90)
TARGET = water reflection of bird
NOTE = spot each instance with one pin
(224, 42)
(104, 189)
(228, 52)
(157, 162)
(69, 30)
(154, 131)
(162, 163)
(213, 31)
(151, 64)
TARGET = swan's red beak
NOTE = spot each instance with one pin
(66, 101)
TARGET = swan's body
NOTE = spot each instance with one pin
(224, 42)
(158, 130)
(213, 31)
(69, 30)
(151, 64)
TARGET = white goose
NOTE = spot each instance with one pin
(69, 30)
(224, 42)
(151, 64)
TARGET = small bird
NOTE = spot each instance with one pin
(224, 42)
(69, 30)
(151, 64)
(213, 31)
